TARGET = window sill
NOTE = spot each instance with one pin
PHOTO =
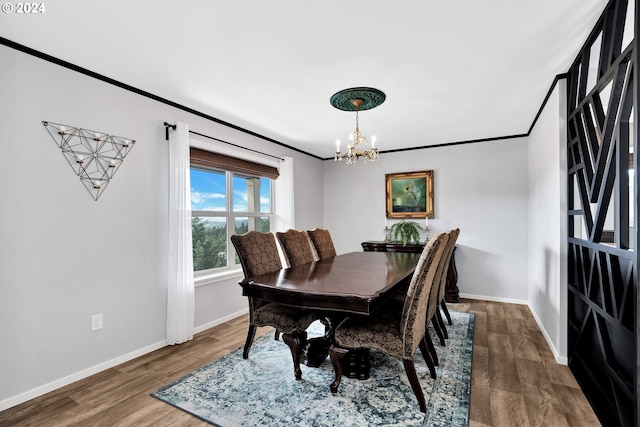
(219, 276)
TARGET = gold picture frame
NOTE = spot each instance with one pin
(409, 194)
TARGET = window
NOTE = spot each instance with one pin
(228, 196)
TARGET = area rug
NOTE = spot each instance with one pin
(262, 390)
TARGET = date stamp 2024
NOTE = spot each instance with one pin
(23, 8)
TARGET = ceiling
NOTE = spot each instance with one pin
(451, 70)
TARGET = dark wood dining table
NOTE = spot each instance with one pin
(352, 283)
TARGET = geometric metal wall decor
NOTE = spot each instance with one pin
(602, 217)
(94, 156)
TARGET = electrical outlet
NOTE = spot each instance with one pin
(96, 322)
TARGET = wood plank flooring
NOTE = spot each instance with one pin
(515, 380)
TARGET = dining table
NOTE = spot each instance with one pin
(350, 284)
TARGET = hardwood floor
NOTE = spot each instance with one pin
(515, 380)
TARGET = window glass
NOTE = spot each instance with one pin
(251, 194)
(265, 195)
(247, 208)
(208, 190)
(209, 235)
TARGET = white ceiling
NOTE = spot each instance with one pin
(452, 70)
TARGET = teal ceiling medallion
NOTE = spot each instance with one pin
(357, 99)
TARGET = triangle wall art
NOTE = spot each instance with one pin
(94, 156)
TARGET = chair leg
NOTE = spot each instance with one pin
(427, 358)
(337, 355)
(436, 326)
(410, 369)
(431, 347)
(443, 304)
(295, 342)
(443, 327)
(276, 336)
(247, 345)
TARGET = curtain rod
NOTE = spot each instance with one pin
(167, 126)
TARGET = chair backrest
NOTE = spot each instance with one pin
(296, 247)
(446, 257)
(322, 242)
(441, 274)
(414, 312)
(258, 252)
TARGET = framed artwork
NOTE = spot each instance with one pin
(410, 194)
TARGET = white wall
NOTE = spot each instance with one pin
(547, 225)
(480, 187)
(64, 256)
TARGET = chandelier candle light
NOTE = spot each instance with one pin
(357, 99)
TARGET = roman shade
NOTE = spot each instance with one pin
(209, 160)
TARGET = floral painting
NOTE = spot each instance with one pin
(410, 194)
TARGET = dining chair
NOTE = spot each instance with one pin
(393, 332)
(298, 250)
(296, 247)
(258, 254)
(432, 306)
(322, 242)
(437, 295)
(440, 290)
(453, 238)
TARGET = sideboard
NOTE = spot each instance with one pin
(451, 292)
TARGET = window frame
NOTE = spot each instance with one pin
(231, 216)
(220, 274)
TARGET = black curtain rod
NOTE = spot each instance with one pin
(166, 129)
(167, 126)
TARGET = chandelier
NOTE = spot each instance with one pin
(357, 99)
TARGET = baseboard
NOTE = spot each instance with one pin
(220, 321)
(54, 385)
(494, 299)
(562, 360)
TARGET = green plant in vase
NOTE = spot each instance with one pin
(406, 232)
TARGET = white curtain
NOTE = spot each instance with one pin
(180, 297)
(284, 207)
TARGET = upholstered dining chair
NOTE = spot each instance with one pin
(296, 247)
(433, 304)
(297, 250)
(322, 242)
(439, 289)
(258, 254)
(396, 333)
(453, 238)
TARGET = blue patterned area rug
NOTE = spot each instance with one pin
(262, 390)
